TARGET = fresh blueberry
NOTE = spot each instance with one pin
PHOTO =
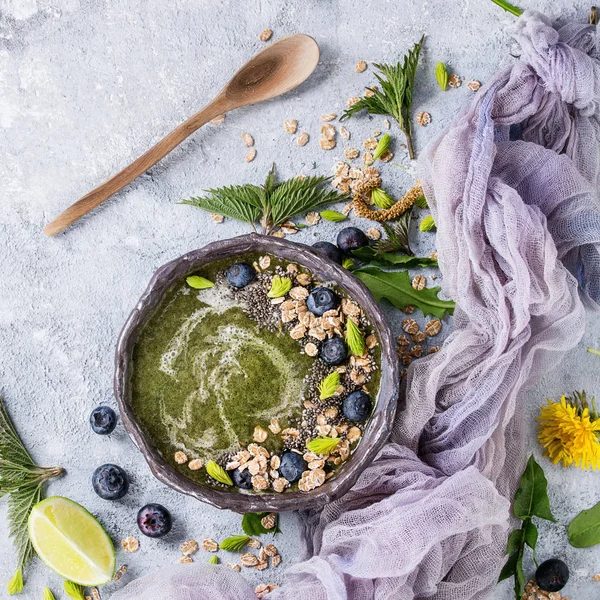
(154, 520)
(292, 466)
(242, 479)
(320, 300)
(240, 274)
(357, 406)
(333, 351)
(110, 482)
(331, 251)
(552, 575)
(351, 238)
(103, 420)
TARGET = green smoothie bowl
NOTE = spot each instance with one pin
(255, 374)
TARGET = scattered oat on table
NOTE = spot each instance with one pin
(248, 139)
(361, 66)
(276, 560)
(409, 309)
(269, 521)
(180, 457)
(251, 155)
(302, 139)
(373, 233)
(189, 547)
(352, 101)
(209, 545)
(186, 559)
(218, 120)
(248, 559)
(312, 218)
(370, 143)
(370, 92)
(217, 218)
(328, 117)
(265, 35)
(130, 544)
(351, 153)
(433, 327)
(253, 543)
(368, 159)
(454, 81)
(419, 282)
(326, 144)
(120, 573)
(386, 156)
(278, 234)
(290, 126)
(265, 588)
(386, 124)
(434, 255)
(423, 118)
(95, 594)
(473, 85)
(410, 326)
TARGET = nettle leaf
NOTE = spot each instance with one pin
(199, 283)
(252, 526)
(323, 445)
(531, 498)
(218, 473)
(396, 287)
(441, 75)
(354, 338)
(213, 560)
(584, 529)
(15, 584)
(382, 199)
(427, 224)
(234, 543)
(333, 215)
(329, 385)
(421, 202)
(73, 590)
(48, 595)
(369, 255)
(280, 286)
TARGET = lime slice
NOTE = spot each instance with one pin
(71, 542)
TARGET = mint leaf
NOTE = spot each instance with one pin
(199, 283)
(584, 529)
(333, 215)
(531, 498)
(234, 543)
(397, 288)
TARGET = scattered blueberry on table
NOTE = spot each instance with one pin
(154, 520)
(110, 482)
(351, 238)
(103, 420)
(331, 251)
(552, 575)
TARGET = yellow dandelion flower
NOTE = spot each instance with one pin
(569, 432)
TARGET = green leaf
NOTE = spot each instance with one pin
(397, 288)
(519, 575)
(253, 527)
(234, 543)
(421, 202)
(369, 255)
(242, 202)
(354, 338)
(382, 199)
(427, 224)
(530, 536)
(213, 560)
(584, 529)
(509, 568)
(397, 236)
(383, 145)
(280, 286)
(323, 445)
(531, 498)
(329, 385)
(347, 263)
(515, 541)
(74, 590)
(441, 75)
(15, 585)
(199, 283)
(48, 595)
(508, 7)
(218, 473)
(333, 215)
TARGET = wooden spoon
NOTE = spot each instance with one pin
(275, 70)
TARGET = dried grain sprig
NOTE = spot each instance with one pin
(405, 203)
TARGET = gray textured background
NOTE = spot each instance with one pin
(86, 86)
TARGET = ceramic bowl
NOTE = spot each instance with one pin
(377, 429)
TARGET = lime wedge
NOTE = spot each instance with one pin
(71, 542)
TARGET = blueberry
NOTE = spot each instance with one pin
(333, 351)
(242, 479)
(331, 251)
(351, 238)
(240, 274)
(320, 300)
(154, 520)
(552, 575)
(357, 406)
(292, 466)
(110, 482)
(103, 420)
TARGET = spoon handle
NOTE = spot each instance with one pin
(98, 195)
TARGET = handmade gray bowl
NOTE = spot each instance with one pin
(377, 430)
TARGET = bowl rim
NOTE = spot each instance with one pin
(378, 428)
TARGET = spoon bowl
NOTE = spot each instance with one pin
(277, 69)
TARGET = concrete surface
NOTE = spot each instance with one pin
(86, 86)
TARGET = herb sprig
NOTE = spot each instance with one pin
(397, 236)
(23, 481)
(395, 95)
(271, 204)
